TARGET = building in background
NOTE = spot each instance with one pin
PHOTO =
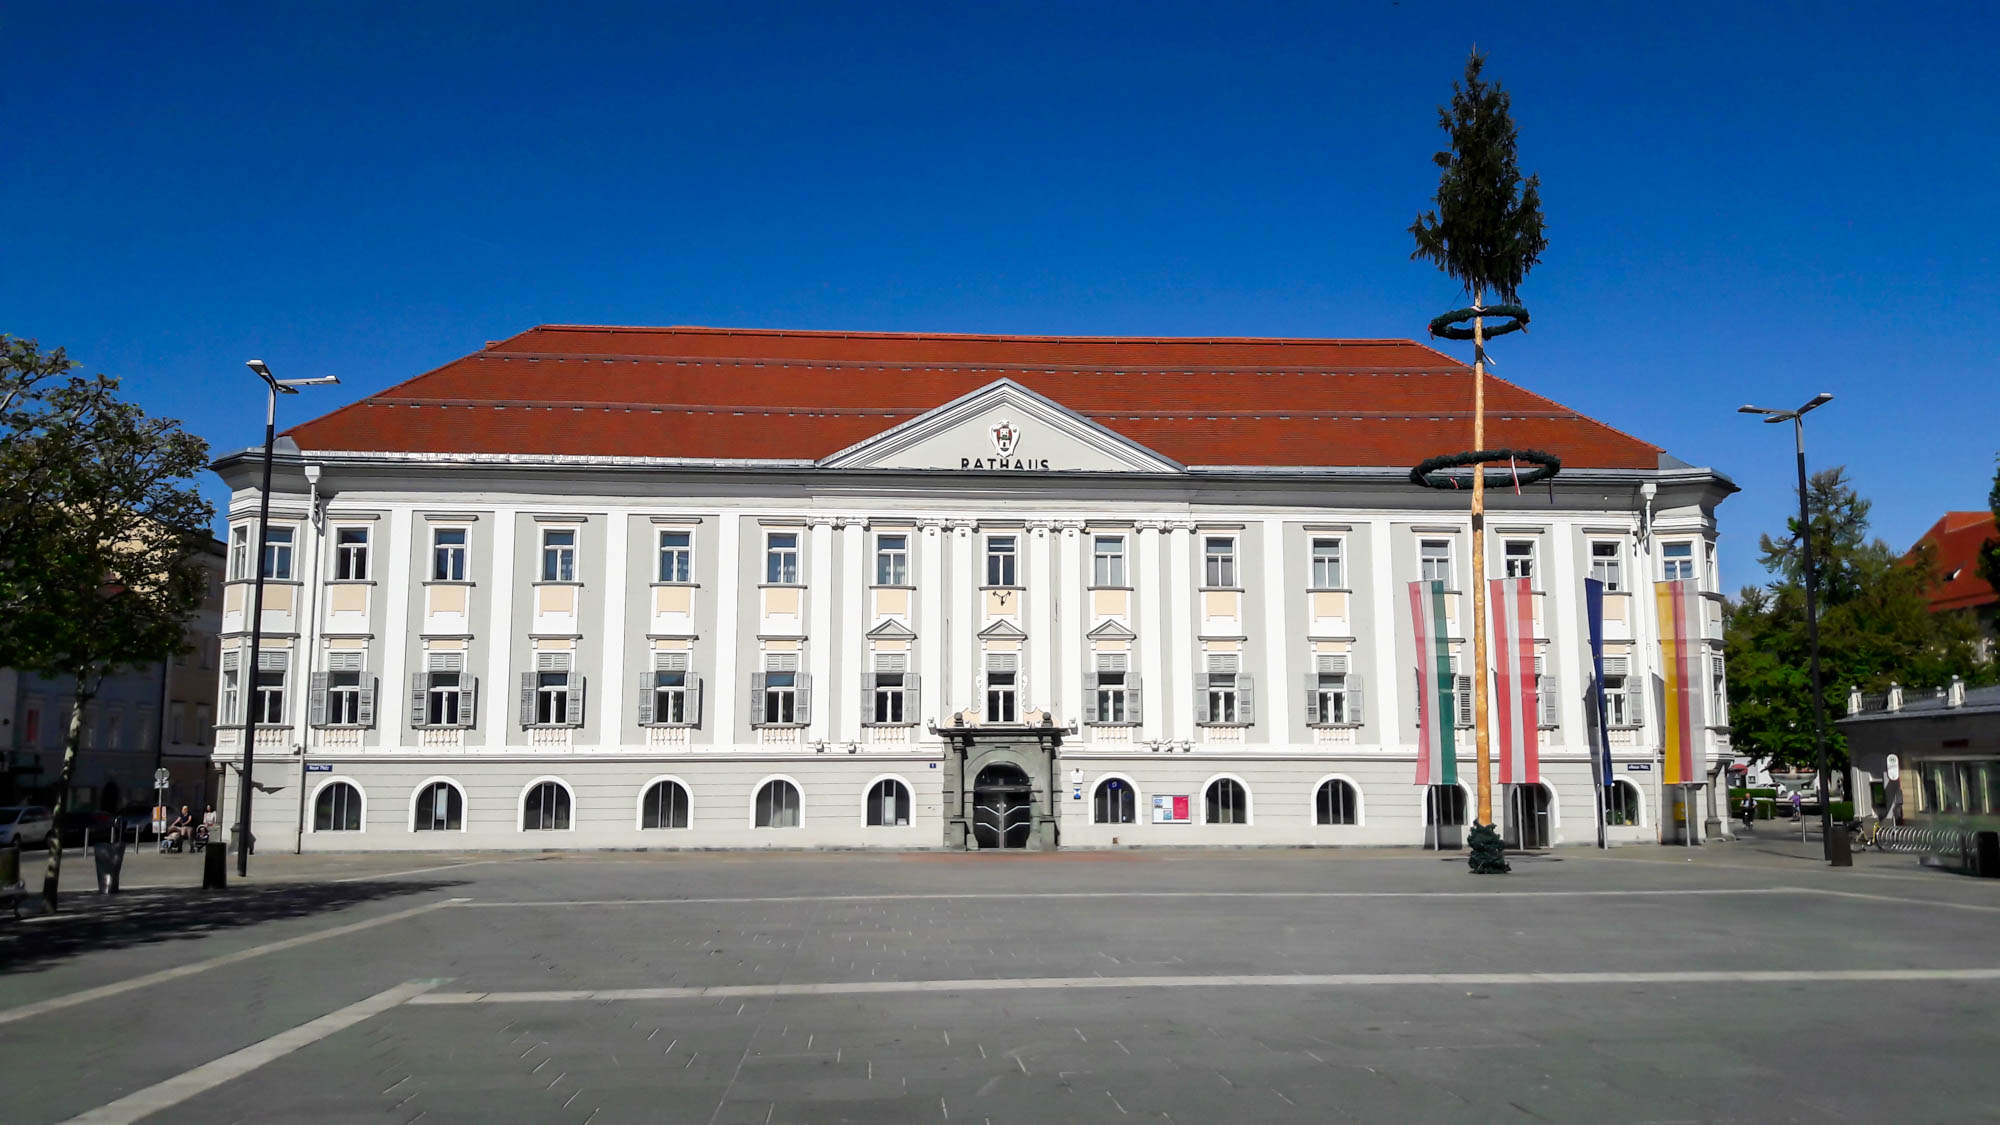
(143, 719)
(684, 587)
(1956, 539)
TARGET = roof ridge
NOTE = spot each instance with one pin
(1455, 367)
(837, 334)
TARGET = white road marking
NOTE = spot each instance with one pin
(236, 1064)
(420, 870)
(1913, 901)
(1296, 980)
(946, 896)
(57, 1003)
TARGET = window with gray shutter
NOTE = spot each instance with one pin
(1218, 693)
(1461, 690)
(1109, 690)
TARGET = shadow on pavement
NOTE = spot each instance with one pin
(89, 922)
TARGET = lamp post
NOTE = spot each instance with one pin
(1839, 858)
(251, 697)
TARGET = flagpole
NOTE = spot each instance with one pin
(1481, 741)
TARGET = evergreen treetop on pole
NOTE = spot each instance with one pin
(1486, 230)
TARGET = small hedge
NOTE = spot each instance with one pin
(1769, 807)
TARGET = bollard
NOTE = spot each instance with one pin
(215, 866)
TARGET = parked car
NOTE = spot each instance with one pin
(26, 825)
(77, 824)
(136, 821)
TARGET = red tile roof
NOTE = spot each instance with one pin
(758, 395)
(1957, 538)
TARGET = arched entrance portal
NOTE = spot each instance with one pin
(1533, 822)
(1002, 808)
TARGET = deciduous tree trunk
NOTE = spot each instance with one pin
(72, 739)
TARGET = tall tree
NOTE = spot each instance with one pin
(99, 564)
(1875, 624)
(1485, 232)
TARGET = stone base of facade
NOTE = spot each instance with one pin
(606, 801)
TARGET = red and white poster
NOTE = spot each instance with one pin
(1171, 808)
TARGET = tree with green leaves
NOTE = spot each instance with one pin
(1875, 627)
(1485, 232)
(101, 530)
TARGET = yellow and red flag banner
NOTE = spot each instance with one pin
(1680, 612)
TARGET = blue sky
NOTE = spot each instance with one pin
(1745, 202)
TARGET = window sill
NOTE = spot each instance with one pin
(556, 582)
(1126, 589)
(449, 582)
(781, 585)
(267, 582)
(442, 726)
(1335, 726)
(671, 726)
(552, 726)
(1015, 589)
(1329, 589)
(1114, 723)
(779, 726)
(891, 586)
(681, 585)
(340, 726)
(907, 723)
(1237, 725)
(350, 582)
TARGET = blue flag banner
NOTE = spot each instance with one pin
(1593, 602)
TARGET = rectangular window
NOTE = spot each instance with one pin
(1108, 567)
(1434, 560)
(781, 558)
(670, 697)
(1331, 690)
(1221, 696)
(1677, 560)
(1000, 560)
(676, 556)
(350, 554)
(1518, 556)
(1606, 566)
(1326, 570)
(1112, 672)
(204, 724)
(270, 702)
(781, 690)
(343, 699)
(1002, 687)
(176, 724)
(443, 696)
(448, 554)
(892, 561)
(1220, 557)
(278, 553)
(552, 703)
(558, 554)
(232, 696)
(1718, 712)
(890, 701)
(239, 552)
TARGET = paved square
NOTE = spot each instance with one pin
(1735, 985)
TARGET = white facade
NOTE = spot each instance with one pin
(512, 652)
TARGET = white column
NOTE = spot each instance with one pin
(1275, 704)
(965, 629)
(497, 694)
(1072, 618)
(1155, 637)
(392, 696)
(610, 698)
(1038, 617)
(1569, 641)
(819, 627)
(720, 695)
(853, 656)
(934, 698)
(1181, 594)
(1386, 588)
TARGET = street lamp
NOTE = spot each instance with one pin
(1797, 419)
(275, 387)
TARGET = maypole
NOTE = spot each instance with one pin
(1486, 233)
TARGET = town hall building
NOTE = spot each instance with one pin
(690, 587)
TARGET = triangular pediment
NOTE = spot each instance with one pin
(1002, 427)
(1004, 630)
(1111, 631)
(892, 630)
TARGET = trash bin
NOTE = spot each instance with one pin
(1840, 852)
(10, 865)
(110, 857)
(215, 866)
(1985, 855)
